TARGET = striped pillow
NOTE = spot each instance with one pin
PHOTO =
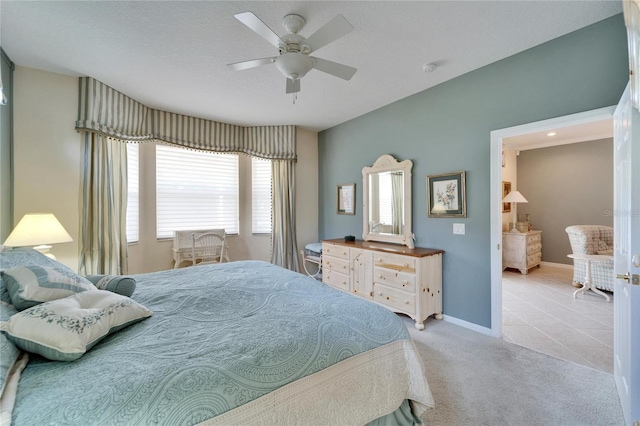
(31, 285)
(120, 284)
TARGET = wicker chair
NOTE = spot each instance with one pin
(592, 239)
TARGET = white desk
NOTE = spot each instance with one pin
(588, 285)
(182, 246)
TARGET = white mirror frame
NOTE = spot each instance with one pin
(386, 163)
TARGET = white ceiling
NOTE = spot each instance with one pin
(595, 130)
(172, 55)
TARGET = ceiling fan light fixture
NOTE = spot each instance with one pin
(294, 65)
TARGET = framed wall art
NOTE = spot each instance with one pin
(506, 189)
(446, 195)
(347, 198)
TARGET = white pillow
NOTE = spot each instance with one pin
(64, 329)
(31, 285)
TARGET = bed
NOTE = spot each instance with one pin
(235, 343)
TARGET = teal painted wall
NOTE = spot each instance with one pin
(447, 128)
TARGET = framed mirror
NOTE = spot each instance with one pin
(386, 215)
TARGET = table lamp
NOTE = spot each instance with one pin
(40, 230)
(514, 197)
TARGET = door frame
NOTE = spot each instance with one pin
(495, 194)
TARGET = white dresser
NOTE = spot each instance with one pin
(403, 280)
(521, 250)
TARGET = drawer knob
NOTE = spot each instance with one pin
(406, 302)
(379, 293)
(380, 276)
(387, 297)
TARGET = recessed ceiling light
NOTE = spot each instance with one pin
(551, 134)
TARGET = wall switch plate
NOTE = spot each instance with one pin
(458, 228)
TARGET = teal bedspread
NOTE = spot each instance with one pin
(220, 336)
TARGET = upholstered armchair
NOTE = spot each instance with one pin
(592, 239)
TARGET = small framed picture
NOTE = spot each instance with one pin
(446, 195)
(347, 198)
(506, 189)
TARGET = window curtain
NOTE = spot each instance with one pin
(104, 110)
(103, 237)
(284, 249)
(397, 189)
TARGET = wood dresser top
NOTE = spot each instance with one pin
(386, 247)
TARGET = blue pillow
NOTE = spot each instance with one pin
(31, 285)
(23, 256)
(120, 284)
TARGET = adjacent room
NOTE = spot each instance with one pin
(567, 176)
(257, 212)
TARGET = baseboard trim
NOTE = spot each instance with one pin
(559, 265)
(467, 324)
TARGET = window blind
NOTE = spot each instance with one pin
(260, 196)
(195, 190)
(133, 203)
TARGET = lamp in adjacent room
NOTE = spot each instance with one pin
(40, 230)
(514, 197)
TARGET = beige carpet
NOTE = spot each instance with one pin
(480, 380)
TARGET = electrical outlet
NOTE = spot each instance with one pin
(458, 228)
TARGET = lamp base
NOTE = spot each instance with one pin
(44, 249)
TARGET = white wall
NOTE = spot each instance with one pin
(47, 152)
(48, 160)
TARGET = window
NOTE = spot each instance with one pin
(260, 196)
(195, 190)
(385, 198)
(133, 203)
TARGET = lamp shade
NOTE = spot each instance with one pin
(36, 229)
(514, 197)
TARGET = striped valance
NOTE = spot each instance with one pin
(104, 110)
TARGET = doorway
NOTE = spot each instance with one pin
(527, 135)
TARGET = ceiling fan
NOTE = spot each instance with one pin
(294, 60)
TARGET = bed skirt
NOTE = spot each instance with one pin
(392, 373)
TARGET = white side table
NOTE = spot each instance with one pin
(588, 285)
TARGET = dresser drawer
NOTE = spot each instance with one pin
(395, 262)
(534, 248)
(394, 298)
(335, 264)
(335, 251)
(396, 279)
(533, 259)
(534, 238)
(336, 279)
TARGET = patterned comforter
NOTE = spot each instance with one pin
(220, 337)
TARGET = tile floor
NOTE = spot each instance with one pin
(539, 312)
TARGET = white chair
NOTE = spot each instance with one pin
(208, 247)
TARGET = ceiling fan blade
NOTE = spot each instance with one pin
(339, 70)
(293, 86)
(245, 65)
(253, 22)
(332, 30)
